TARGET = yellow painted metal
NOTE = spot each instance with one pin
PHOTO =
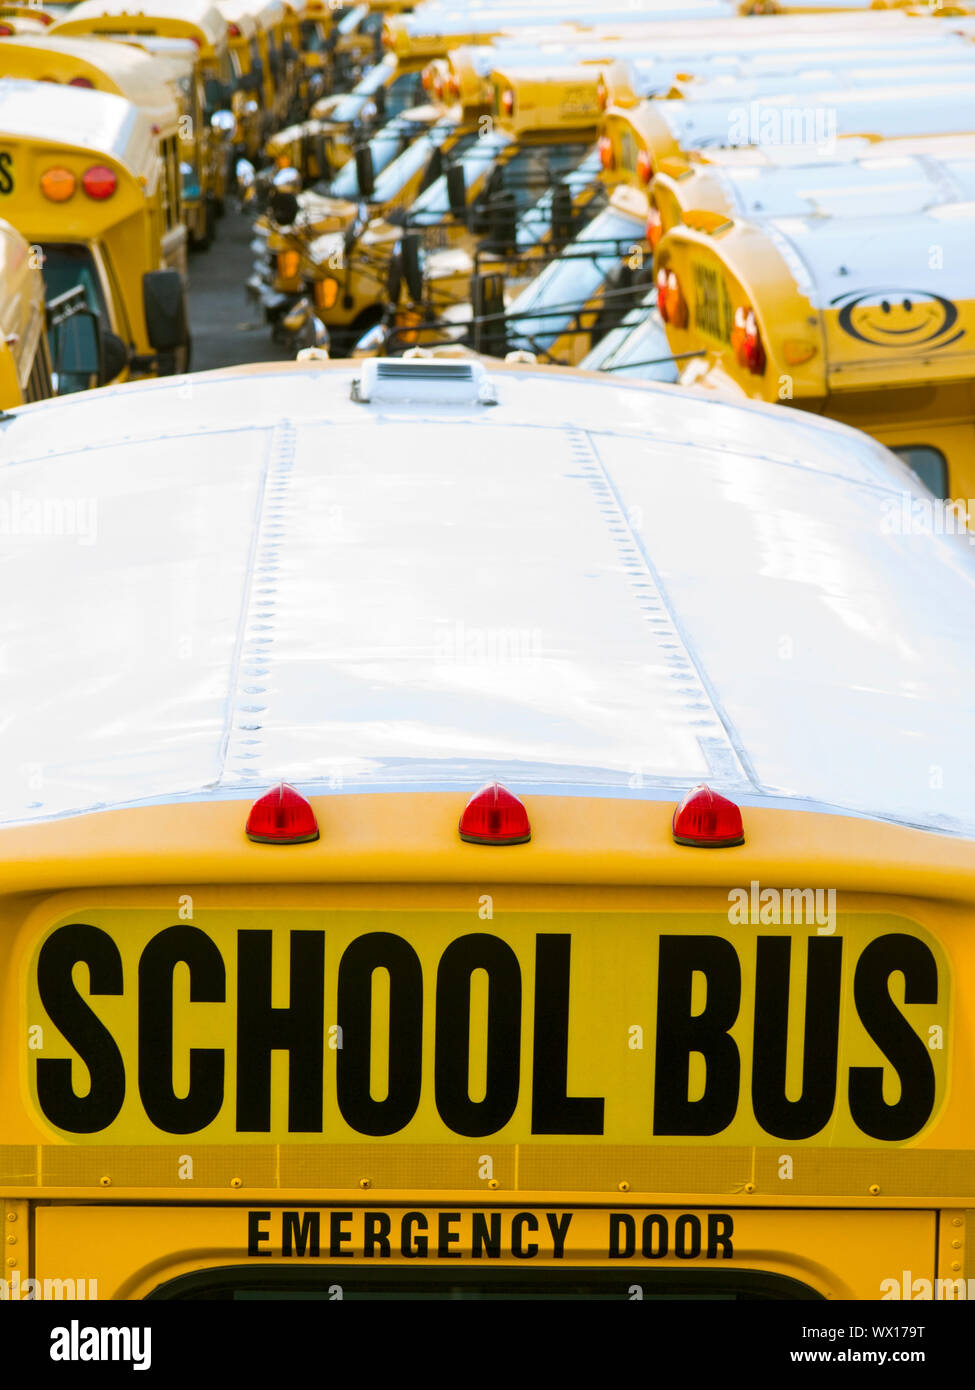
(133, 1251)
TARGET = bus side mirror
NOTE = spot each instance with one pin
(364, 171)
(487, 306)
(380, 101)
(115, 356)
(223, 122)
(503, 221)
(561, 214)
(283, 207)
(457, 191)
(85, 355)
(164, 302)
(412, 268)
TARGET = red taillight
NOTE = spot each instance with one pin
(82, 82)
(708, 821)
(747, 341)
(233, 31)
(282, 816)
(655, 226)
(427, 79)
(5, 31)
(644, 166)
(606, 156)
(494, 816)
(98, 182)
(671, 304)
(452, 87)
(602, 93)
(508, 102)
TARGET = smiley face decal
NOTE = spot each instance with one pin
(902, 319)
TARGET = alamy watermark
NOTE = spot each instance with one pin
(15, 1289)
(926, 1290)
(764, 123)
(758, 906)
(459, 643)
(24, 515)
(908, 515)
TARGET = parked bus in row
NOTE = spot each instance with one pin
(82, 181)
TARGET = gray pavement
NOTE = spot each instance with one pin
(228, 327)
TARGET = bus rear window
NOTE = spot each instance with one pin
(929, 464)
(333, 1283)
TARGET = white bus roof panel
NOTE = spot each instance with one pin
(587, 588)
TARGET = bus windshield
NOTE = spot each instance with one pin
(544, 311)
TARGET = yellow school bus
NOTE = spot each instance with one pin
(25, 364)
(808, 124)
(82, 181)
(542, 932)
(837, 315)
(202, 23)
(249, 101)
(151, 83)
(857, 174)
(321, 145)
(543, 121)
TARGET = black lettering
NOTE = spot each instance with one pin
(255, 1232)
(82, 1029)
(7, 186)
(175, 1114)
(656, 1237)
(362, 958)
(339, 1236)
(377, 1228)
(486, 1235)
(478, 951)
(447, 1235)
(301, 1232)
(622, 1235)
(559, 1226)
(687, 1237)
(553, 1111)
(679, 1033)
(720, 1229)
(796, 1119)
(413, 1247)
(895, 1037)
(297, 1030)
(520, 1221)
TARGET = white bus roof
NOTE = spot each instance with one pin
(227, 579)
(142, 78)
(814, 119)
(77, 118)
(203, 14)
(872, 185)
(919, 255)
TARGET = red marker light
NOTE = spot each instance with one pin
(282, 816)
(655, 226)
(494, 816)
(746, 341)
(98, 182)
(708, 821)
(82, 82)
(644, 166)
(607, 155)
